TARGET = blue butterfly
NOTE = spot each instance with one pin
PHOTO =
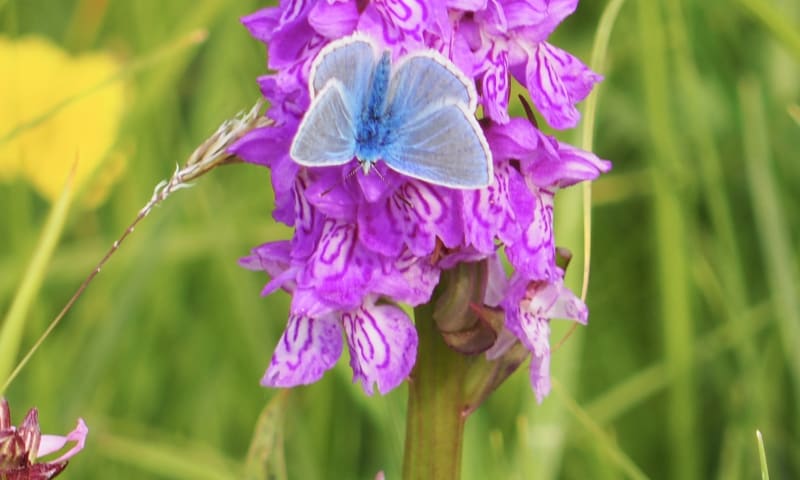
(418, 117)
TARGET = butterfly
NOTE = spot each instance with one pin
(416, 116)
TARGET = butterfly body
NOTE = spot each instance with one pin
(373, 131)
(417, 117)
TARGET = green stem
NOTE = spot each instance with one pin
(436, 401)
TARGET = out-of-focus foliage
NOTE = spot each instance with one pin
(692, 337)
(54, 103)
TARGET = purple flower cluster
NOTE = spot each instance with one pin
(363, 243)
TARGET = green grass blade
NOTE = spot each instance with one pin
(762, 456)
(167, 459)
(598, 62)
(14, 322)
(617, 456)
(771, 224)
(776, 23)
(646, 382)
(572, 232)
(264, 457)
(672, 228)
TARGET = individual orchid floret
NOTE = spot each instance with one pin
(529, 307)
(381, 338)
(21, 447)
(510, 37)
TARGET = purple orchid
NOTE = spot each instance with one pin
(364, 243)
(21, 447)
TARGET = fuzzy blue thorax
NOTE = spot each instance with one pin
(373, 127)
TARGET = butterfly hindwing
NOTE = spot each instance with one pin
(443, 145)
(326, 136)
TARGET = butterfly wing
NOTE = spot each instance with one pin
(442, 145)
(351, 61)
(326, 136)
(427, 78)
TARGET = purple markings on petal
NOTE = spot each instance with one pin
(438, 214)
(492, 212)
(380, 226)
(334, 251)
(308, 221)
(292, 44)
(287, 99)
(340, 271)
(307, 349)
(529, 308)
(534, 255)
(540, 375)
(293, 9)
(554, 300)
(494, 19)
(383, 346)
(557, 81)
(379, 27)
(534, 328)
(496, 85)
(409, 279)
(414, 216)
(409, 16)
(535, 335)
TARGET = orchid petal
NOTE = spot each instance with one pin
(383, 346)
(307, 349)
(53, 443)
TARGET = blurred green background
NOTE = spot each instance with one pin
(692, 342)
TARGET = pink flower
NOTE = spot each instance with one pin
(21, 447)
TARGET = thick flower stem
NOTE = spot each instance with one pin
(436, 401)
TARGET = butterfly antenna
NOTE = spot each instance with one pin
(379, 174)
(350, 174)
(209, 155)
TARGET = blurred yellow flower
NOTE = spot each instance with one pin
(48, 122)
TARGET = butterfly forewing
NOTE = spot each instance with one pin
(443, 145)
(326, 135)
(351, 62)
(424, 79)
